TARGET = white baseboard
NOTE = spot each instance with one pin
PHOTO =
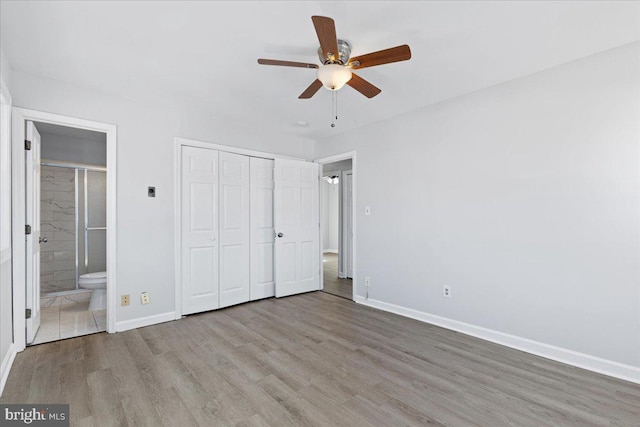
(570, 357)
(5, 367)
(145, 321)
(331, 251)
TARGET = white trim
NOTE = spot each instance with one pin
(19, 117)
(145, 321)
(335, 158)
(177, 226)
(5, 367)
(570, 357)
(230, 149)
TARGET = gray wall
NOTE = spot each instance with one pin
(523, 197)
(71, 149)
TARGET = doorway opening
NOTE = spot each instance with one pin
(64, 237)
(72, 228)
(337, 227)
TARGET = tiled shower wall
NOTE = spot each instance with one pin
(57, 211)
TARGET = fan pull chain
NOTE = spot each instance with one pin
(334, 108)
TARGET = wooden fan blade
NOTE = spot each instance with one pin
(326, 30)
(387, 56)
(285, 63)
(363, 86)
(311, 90)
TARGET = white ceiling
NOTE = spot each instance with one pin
(204, 53)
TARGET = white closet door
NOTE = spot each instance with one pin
(199, 230)
(262, 231)
(33, 241)
(234, 229)
(297, 223)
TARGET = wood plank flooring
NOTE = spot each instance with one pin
(312, 360)
(332, 283)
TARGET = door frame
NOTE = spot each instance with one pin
(19, 118)
(179, 142)
(330, 159)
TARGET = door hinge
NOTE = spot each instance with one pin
(28, 313)
(27, 229)
(27, 144)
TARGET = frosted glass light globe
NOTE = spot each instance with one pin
(334, 76)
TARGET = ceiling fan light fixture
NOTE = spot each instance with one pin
(334, 76)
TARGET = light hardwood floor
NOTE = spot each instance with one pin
(332, 283)
(311, 359)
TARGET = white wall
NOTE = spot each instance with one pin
(332, 205)
(5, 69)
(330, 216)
(342, 165)
(145, 233)
(523, 197)
(72, 149)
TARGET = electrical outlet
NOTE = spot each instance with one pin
(446, 291)
(144, 298)
(124, 300)
(367, 281)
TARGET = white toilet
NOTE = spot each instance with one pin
(97, 282)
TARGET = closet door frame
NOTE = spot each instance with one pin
(178, 144)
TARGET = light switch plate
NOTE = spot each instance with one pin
(367, 210)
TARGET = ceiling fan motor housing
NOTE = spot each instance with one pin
(344, 52)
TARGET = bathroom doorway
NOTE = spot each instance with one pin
(72, 232)
(90, 147)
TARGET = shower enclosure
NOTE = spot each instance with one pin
(73, 220)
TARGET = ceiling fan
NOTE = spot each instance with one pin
(336, 67)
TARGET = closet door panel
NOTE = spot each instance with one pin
(297, 224)
(262, 231)
(234, 229)
(199, 229)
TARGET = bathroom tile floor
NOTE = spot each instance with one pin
(69, 320)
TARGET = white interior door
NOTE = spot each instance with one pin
(33, 239)
(234, 229)
(199, 210)
(347, 210)
(262, 276)
(297, 224)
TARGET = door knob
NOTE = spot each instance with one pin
(42, 240)
(280, 235)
